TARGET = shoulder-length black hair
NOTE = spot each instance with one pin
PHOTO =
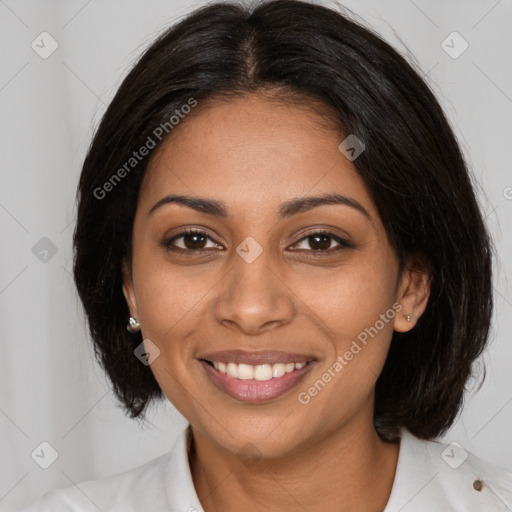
(412, 166)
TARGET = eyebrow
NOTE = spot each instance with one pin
(286, 209)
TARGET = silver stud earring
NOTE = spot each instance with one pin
(133, 325)
(408, 318)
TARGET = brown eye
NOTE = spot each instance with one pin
(195, 241)
(191, 241)
(320, 242)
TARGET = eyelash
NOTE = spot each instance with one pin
(343, 244)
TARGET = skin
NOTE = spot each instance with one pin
(253, 153)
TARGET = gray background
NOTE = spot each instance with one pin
(51, 389)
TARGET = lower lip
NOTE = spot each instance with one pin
(255, 390)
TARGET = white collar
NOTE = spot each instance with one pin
(424, 480)
(430, 476)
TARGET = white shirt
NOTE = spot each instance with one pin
(430, 477)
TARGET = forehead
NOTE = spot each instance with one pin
(253, 152)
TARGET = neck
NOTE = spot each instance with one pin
(351, 469)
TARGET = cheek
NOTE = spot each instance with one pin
(350, 298)
(166, 301)
(166, 296)
(356, 307)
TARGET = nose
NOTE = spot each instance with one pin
(253, 297)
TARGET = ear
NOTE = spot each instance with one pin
(128, 291)
(413, 293)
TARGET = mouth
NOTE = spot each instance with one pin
(260, 372)
(272, 374)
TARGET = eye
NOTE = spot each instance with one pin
(191, 240)
(320, 241)
(194, 241)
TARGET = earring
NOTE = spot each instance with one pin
(408, 318)
(133, 325)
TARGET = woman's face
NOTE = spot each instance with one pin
(259, 279)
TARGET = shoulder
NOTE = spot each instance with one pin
(140, 488)
(433, 475)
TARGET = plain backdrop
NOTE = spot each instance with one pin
(51, 388)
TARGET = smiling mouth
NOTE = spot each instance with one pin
(257, 383)
(260, 372)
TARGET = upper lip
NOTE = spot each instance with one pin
(256, 358)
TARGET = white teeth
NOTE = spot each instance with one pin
(263, 372)
(245, 371)
(278, 370)
(259, 372)
(232, 370)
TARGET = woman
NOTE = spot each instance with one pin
(278, 233)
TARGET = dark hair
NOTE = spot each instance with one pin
(412, 166)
